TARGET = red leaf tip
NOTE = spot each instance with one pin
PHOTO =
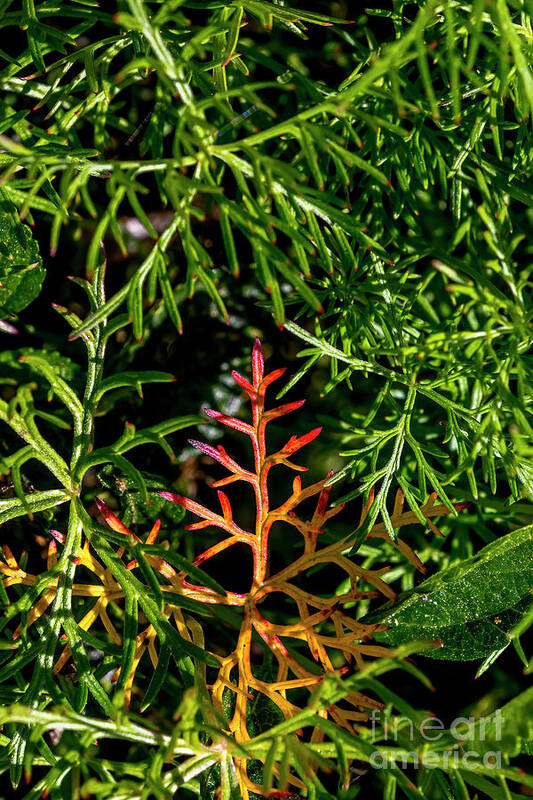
(258, 363)
(174, 498)
(60, 537)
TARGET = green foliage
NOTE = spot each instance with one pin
(396, 200)
(69, 470)
(362, 184)
(21, 269)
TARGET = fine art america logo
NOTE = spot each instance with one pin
(462, 744)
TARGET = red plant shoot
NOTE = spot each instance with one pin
(323, 623)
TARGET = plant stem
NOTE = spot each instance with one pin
(61, 607)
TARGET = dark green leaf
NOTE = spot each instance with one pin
(21, 270)
(468, 607)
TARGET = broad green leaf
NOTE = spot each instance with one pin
(21, 270)
(509, 728)
(468, 607)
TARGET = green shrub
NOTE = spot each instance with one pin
(357, 193)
